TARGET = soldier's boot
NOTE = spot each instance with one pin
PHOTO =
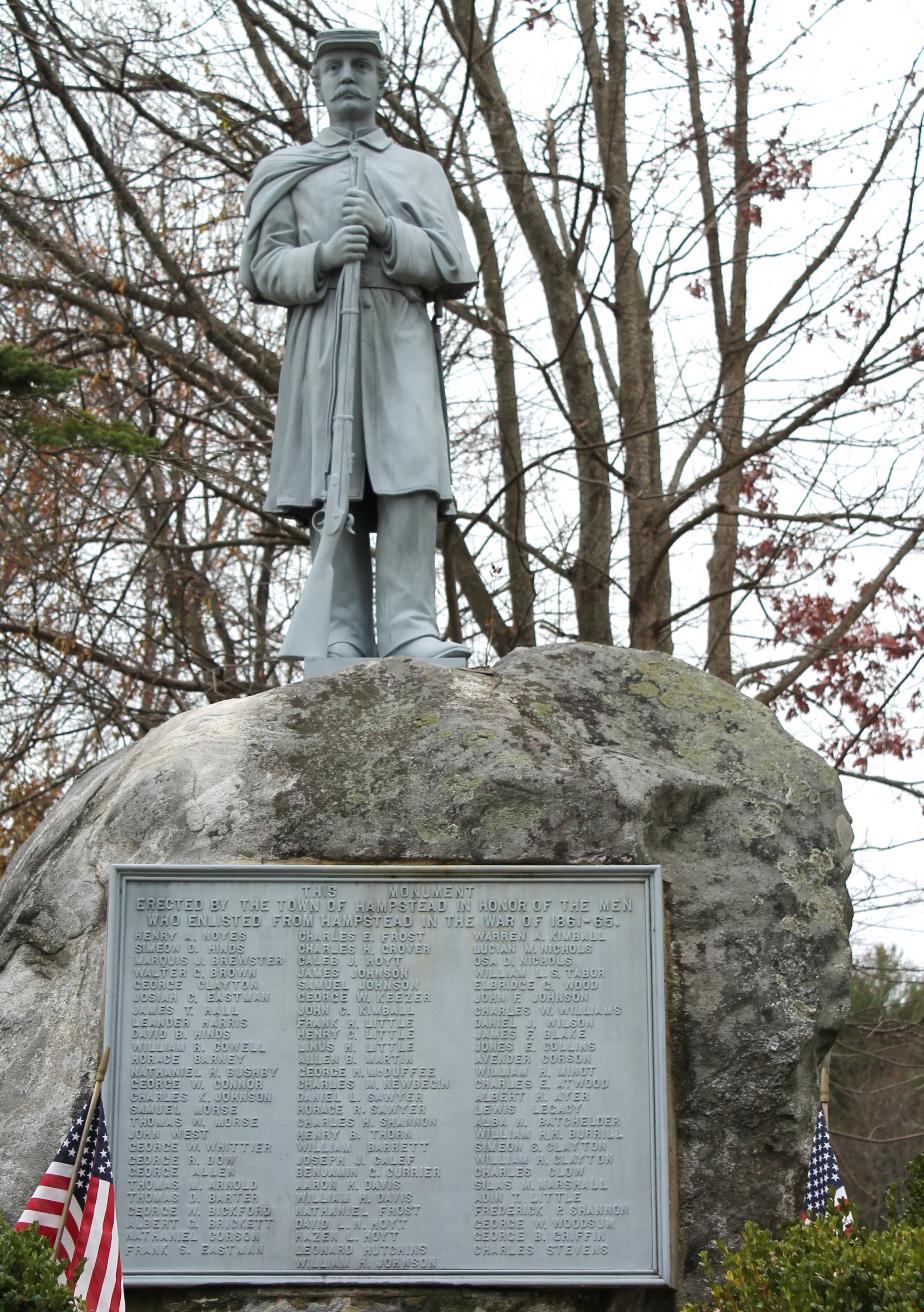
(350, 632)
(405, 580)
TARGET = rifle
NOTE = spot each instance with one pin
(309, 629)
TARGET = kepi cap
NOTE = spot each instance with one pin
(354, 38)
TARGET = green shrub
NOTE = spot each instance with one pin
(914, 1191)
(817, 1268)
(29, 1275)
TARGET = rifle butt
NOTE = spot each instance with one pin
(307, 635)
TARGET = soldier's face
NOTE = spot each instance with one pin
(349, 85)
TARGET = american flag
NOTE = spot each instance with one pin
(823, 1176)
(90, 1230)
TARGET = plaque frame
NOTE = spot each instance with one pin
(660, 1275)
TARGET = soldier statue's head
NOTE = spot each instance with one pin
(349, 73)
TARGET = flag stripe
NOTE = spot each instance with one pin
(41, 1208)
(29, 1216)
(68, 1239)
(59, 1178)
(71, 1231)
(95, 1245)
(112, 1279)
(105, 1256)
(48, 1218)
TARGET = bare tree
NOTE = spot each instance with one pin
(682, 402)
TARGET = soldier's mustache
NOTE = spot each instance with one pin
(351, 91)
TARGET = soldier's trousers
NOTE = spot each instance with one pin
(404, 591)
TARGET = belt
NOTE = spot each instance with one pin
(372, 275)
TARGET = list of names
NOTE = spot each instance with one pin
(331, 1075)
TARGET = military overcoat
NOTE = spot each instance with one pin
(293, 204)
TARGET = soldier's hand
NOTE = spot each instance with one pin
(348, 243)
(360, 207)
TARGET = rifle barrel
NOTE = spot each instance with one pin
(309, 628)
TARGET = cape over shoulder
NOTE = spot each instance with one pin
(273, 178)
(289, 164)
(288, 159)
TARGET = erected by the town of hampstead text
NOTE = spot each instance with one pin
(388, 1074)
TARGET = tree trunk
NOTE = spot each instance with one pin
(522, 584)
(590, 575)
(649, 567)
(734, 359)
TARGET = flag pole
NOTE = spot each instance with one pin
(91, 1108)
(824, 1086)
